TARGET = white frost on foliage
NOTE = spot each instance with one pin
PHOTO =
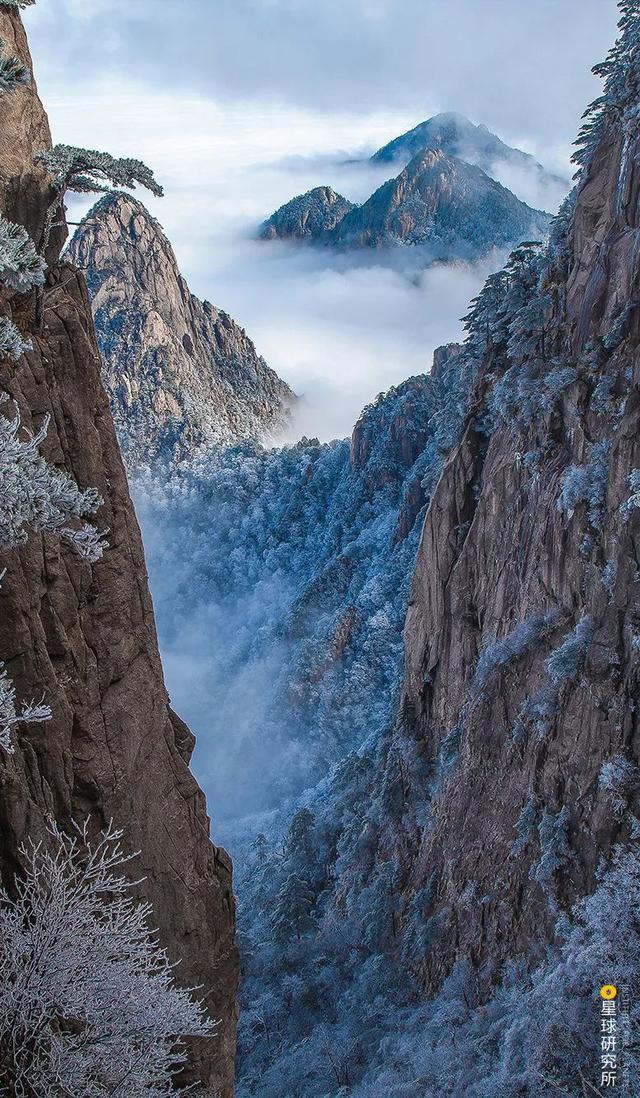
(35, 713)
(34, 495)
(88, 1003)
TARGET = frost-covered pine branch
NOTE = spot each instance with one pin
(35, 713)
(16, 3)
(13, 74)
(88, 171)
(21, 268)
(88, 1001)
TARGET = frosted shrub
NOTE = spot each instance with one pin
(88, 1003)
(21, 268)
(609, 575)
(587, 484)
(511, 647)
(568, 660)
(10, 716)
(618, 778)
(634, 499)
(12, 344)
(526, 826)
(34, 495)
(554, 847)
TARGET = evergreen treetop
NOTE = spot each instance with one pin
(620, 72)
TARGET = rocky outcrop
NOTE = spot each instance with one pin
(522, 660)
(84, 636)
(308, 216)
(179, 373)
(451, 208)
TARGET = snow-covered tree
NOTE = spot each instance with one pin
(16, 3)
(88, 1001)
(13, 74)
(21, 268)
(87, 171)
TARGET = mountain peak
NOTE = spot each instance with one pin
(443, 203)
(307, 215)
(456, 135)
(179, 372)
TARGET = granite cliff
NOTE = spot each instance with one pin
(84, 634)
(521, 653)
(179, 373)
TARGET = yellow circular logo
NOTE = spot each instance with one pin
(608, 991)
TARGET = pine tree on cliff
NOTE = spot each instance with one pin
(87, 171)
(13, 74)
(621, 74)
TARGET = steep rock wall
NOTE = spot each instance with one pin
(84, 635)
(497, 552)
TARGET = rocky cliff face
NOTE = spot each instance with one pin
(308, 216)
(521, 639)
(85, 636)
(452, 208)
(179, 372)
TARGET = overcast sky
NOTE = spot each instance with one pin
(240, 104)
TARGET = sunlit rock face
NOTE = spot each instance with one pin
(179, 372)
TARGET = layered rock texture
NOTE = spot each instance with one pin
(179, 373)
(522, 658)
(307, 216)
(452, 208)
(84, 636)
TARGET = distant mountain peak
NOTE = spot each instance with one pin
(456, 135)
(307, 215)
(439, 201)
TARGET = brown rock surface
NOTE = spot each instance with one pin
(84, 635)
(496, 551)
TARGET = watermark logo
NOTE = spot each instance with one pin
(615, 1036)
